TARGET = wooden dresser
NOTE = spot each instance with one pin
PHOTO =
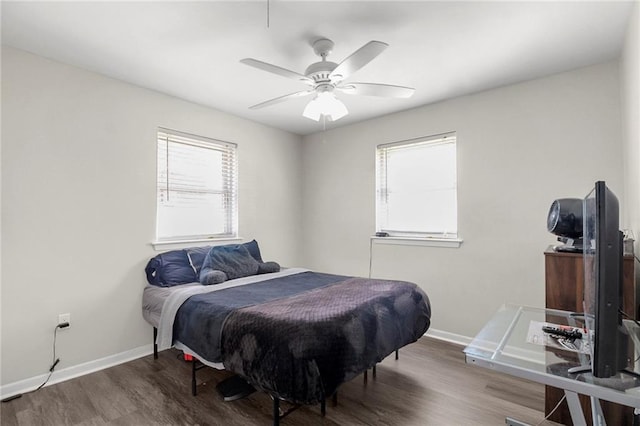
(564, 278)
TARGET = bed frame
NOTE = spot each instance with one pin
(278, 414)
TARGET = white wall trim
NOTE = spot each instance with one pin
(419, 241)
(74, 371)
(458, 339)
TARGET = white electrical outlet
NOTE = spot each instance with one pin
(64, 318)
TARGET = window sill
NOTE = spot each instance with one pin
(419, 241)
(178, 244)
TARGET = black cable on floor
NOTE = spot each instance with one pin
(54, 363)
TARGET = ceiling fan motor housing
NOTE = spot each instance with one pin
(320, 71)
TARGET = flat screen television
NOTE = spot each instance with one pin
(603, 276)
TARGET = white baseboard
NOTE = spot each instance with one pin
(68, 373)
(449, 337)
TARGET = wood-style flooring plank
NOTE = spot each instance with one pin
(429, 385)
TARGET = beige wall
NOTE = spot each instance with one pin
(630, 96)
(519, 148)
(78, 196)
(78, 205)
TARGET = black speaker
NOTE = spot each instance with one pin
(565, 218)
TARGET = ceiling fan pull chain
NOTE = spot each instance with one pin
(324, 129)
(267, 13)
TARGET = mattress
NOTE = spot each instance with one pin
(295, 334)
(160, 305)
(153, 298)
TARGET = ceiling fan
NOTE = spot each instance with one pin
(325, 78)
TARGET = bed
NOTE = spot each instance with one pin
(295, 334)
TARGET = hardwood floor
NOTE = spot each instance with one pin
(429, 385)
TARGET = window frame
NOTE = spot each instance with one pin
(436, 238)
(229, 169)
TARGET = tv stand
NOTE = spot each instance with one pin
(564, 278)
(631, 373)
(506, 344)
(581, 369)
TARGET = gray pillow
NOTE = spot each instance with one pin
(268, 267)
(233, 260)
(198, 254)
(212, 276)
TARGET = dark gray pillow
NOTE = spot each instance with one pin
(213, 276)
(198, 254)
(235, 261)
(268, 267)
(254, 249)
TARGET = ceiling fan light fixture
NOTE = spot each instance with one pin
(325, 103)
(325, 76)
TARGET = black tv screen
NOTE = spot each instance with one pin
(603, 282)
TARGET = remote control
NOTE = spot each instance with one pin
(570, 333)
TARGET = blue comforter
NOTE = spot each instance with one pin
(199, 321)
(299, 337)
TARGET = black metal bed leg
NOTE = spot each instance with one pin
(365, 376)
(374, 371)
(194, 390)
(155, 345)
(396, 354)
(276, 411)
(323, 407)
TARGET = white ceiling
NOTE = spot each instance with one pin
(192, 49)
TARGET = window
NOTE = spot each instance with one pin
(416, 188)
(196, 188)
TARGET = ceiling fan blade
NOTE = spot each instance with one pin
(357, 60)
(277, 70)
(374, 89)
(282, 99)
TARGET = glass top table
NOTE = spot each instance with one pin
(512, 342)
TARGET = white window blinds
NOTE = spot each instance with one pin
(196, 187)
(416, 187)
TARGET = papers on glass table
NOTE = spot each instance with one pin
(556, 336)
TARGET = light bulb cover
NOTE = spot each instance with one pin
(325, 103)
